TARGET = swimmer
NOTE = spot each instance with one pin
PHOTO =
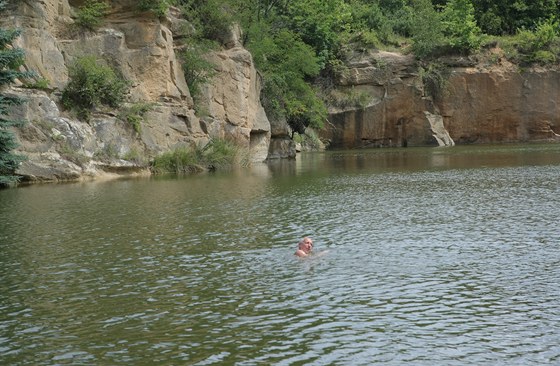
(305, 246)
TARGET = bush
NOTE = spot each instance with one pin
(178, 161)
(134, 115)
(197, 69)
(91, 14)
(286, 63)
(91, 85)
(211, 18)
(435, 79)
(217, 154)
(223, 154)
(544, 57)
(41, 84)
(159, 7)
(531, 41)
(537, 45)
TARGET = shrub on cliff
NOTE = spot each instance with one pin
(197, 69)
(91, 85)
(211, 19)
(11, 58)
(540, 45)
(91, 14)
(158, 7)
(135, 114)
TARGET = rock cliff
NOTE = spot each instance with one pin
(482, 102)
(143, 49)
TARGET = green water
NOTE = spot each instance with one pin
(435, 256)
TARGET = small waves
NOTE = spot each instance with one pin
(451, 267)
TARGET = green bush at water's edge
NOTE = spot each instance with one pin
(217, 154)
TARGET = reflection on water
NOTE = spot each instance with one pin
(436, 256)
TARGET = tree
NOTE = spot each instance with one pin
(459, 26)
(320, 24)
(506, 17)
(11, 59)
(428, 38)
(286, 63)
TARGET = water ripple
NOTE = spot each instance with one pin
(449, 267)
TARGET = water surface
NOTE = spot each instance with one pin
(435, 256)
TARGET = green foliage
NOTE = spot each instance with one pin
(217, 154)
(158, 7)
(541, 45)
(286, 63)
(377, 24)
(11, 58)
(451, 30)
(544, 57)
(538, 39)
(435, 79)
(308, 141)
(211, 22)
(134, 115)
(349, 98)
(197, 69)
(223, 154)
(42, 84)
(501, 17)
(428, 38)
(319, 24)
(460, 29)
(212, 19)
(91, 85)
(178, 161)
(91, 14)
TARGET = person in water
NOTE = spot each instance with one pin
(305, 246)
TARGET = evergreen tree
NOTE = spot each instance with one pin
(11, 58)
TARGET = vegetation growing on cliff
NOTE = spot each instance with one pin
(295, 42)
(91, 14)
(92, 85)
(298, 45)
(134, 115)
(159, 7)
(11, 58)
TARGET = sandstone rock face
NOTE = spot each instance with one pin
(395, 104)
(143, 49)
(480, 105)
(232, 100)
(513, 106)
